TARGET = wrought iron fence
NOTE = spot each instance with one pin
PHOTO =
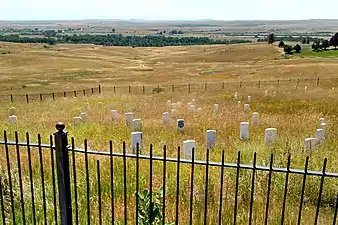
(178, 190)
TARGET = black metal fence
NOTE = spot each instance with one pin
(107, 187)
(188, 88)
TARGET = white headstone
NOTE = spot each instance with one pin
(174, 113)
(199, 110)
(129, 118)
(180, 125)
(274, 94)
(189, 105)
(270, 135)
(12, 119)
(321, 120)
(320, 135)
(84, 116)
(165, 118)
(86, 106)
(192, 108)
(255, 118)
(174, 105)
(188, 147)
(323, 126)
(246, 107)
(12, 111)
(211, 138)
(113, 114)
(168, 103)
(136, 138)
(77, 120)
(249, 98)
(216, 108)
(305, 88)
(136, 125)
(239, 103)
(193, 101)
(310, 143)
(235, 96)
(244, 131)
(266, 93)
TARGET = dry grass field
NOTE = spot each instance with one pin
(294, 112)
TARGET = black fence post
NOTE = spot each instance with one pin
(41, 97)
(240, 84)
(189, 88)
(143, 91)
(223, 85)
(27, 98)
(298, 82)
(129, 89)
(62, 163)
(172, 88)
(75, 94)
(64, 94)
(318, 82)
(53, 96)
(99, 88)
(92, 91)
(84, 92)
(114, 89)
(11, 97)
(205, 86)
(259, 84)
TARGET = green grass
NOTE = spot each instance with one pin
(324, 54)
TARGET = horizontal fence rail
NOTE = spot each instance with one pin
(193, 87)
(59, 183)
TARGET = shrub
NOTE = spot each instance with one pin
(288, 49)
(297, 48)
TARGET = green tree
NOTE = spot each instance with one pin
(325, 44)
(271, 38)
(281, 44)
(297, 48)
(334, 41)
(304, 41)
(113, 30)
(307, 41)
(288, 49)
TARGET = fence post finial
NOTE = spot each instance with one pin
(62, 165)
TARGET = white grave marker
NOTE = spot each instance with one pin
(274, 94)
(180, 125)
(87, 106)
(188, 147)
(323, 126)
(174, 105)
(165, 118)
(193, 101)
(246, 107)
(199, 110)
(216, 108)
(192, 108)
(320, 135)
(249, 98)
(129, 118)
(255, 118)
(270, 135)
(174, 113)
(113, 114)
(12, 111)
(13, 119)
(211, 138)
(136, 138)
(235, 96)
(266, 93)
(310, 143)
(77, 120)
(244, 131)
(168, 103)
(84, 116)
(136, 125)
(239, 103)
(321, 120)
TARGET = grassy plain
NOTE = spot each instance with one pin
(294, 112)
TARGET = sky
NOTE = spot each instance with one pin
(166, 9)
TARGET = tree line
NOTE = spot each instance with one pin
(119, 40)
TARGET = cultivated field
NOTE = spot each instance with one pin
(293, 110)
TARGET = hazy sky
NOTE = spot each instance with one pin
(167, 9)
